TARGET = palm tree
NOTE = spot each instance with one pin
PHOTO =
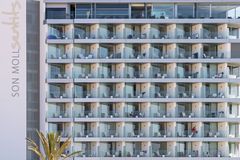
(52, 147)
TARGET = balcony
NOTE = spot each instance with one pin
(159, 32)
(187, 71)
(134, 32)
(233, 71)
(88, 149)
(59, 71)
(135, 149)
(160, 110)
(211, 149)
(63, 129)
(158, 71)
(110, 31)
(84, 32)
(214, 92)
(110, 130)
(85, 71)
(59, 56)
(59, 32)
(85, 91)
(83, 51)
(136, 130)
(159, 149)
(59, 91)
(133, 51)
(214, 130)
(59, 110)
(59, 52)
(135, 110)
(184, 149)
(84, 110)
(187, 31)
(110, 149)
(136, 91)
(110, 110)
(111, 90)
(233, 130)
(136, 71)
(185, 110)
(214, 110)
(188, 129)
(109, 51)
(161, 129)
(85, 129)
(185, 90)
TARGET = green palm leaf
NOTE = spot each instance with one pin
(52, 147)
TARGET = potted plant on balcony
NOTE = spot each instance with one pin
(53, 147)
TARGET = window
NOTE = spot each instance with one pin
(112, 11)
(224, 11)
(162, 11)
(230, 109)
(84, 11)
(185, 11)
(238, 12)
(233, 90)
(56, 13)
(138, 10)
(203, 11)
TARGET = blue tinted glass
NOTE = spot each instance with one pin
(112, 11)
(83, 11)
(203, 11)
(185, 11)
(56, 13)
(163, 10)
(223, 11)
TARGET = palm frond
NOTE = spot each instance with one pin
(37, 152)
(53, 148)
(44, 143)
(64, 146)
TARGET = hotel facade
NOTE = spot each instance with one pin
(134, 79)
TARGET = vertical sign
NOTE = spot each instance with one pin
(13, 79)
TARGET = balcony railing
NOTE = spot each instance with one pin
(127, 33)
(161, 133)
(85, 133)
(85, 94)
(109, 114)
(84, 114)
(60, 95)
(52, 55)
(150, 54)
(63, 114)
(110, 133)
(60, 35)
(186, 94)
(60, 76)
(187, 153)
(139, 94)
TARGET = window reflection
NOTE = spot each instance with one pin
(145, 10)
(163, 11)
(223, 11)
(112, 11)
(203, 11)
(238, 12)
(185, 11)
(84, 10)
(55, 13)
(138, 10)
